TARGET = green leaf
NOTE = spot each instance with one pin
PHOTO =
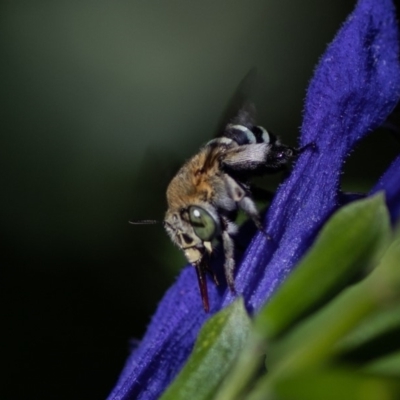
(245, 370)
(330, 384)
(373, 337)
(219, 342)
(389, 365)
(316, 339)
(352, 240)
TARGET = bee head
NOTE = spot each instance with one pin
(193, 229)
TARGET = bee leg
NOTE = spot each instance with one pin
(249, 158)
(229, 247)
(229, 265)
(248, 206)
(212, 274)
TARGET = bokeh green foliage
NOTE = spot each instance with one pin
(321, 334)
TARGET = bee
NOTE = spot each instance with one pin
(209, 189)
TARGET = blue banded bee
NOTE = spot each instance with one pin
(206, 193)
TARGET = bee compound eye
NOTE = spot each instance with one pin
(203, 223)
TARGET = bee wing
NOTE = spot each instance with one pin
(239, 110)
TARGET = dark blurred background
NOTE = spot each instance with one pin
(100, 101)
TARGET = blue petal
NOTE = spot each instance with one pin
(355, 86)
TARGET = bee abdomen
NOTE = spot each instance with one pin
(244, 135)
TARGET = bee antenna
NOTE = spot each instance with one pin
(144, 222)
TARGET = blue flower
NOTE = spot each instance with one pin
(355, 87)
